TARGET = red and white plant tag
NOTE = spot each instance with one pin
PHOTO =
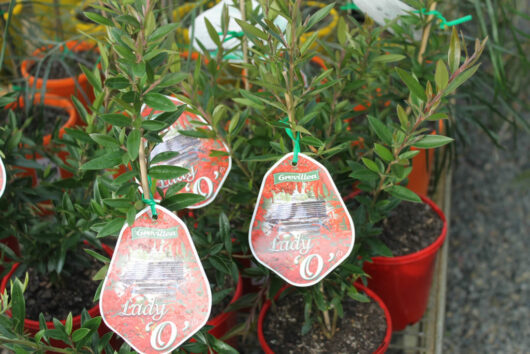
(156, 294)
(206, 173)
(3, 177)
(300, 228)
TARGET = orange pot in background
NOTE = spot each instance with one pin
(73, 120)
(65, 87)
(422, 165)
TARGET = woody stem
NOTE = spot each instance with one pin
(143, 170)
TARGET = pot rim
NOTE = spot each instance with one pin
(380, 350)
(51, 101)
(34, 325)
(217, 320)
(74, 45)
(425, 252)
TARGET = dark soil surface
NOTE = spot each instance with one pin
(361, 330)
(73, 294)
(410, 227)
(44, 118)
(64, 65)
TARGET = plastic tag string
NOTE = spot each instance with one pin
(231, 35)
(442, 18)
(151, 202)
(351, 6)
(296, 141)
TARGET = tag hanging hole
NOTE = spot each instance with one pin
(294, 163)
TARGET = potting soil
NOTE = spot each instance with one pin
(72, 293)
(410, 227)
(361, 330)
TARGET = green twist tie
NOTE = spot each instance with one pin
(351, 6)
(232, 35)
(151, 202)
(296, 142)
(444, 21)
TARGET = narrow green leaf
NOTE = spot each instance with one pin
(167, 172)
(432, 141)
(403, 117)
(453, 56)
(108, 160)
(164, 156)
(18, 306)
(389, 58)
(80, 334)
(412, 84)
(441, 76)
(159, 102)
(409, 154)
(111, 228)
(97, 18)
(383, 152)
(403, 193)
(380, 130)
(370, 164)
(437, 116)
(212, 32)
(97, 255)
(319, 15)
(162, 31)
(119, 120)
(251, 30)
(133, 144)
(181, 201)
(117, 83)
(460, 79)
(68, 324)
(105, 140)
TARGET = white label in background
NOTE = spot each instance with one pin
(214, 15)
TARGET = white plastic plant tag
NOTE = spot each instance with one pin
(214, 15)
(156, 294)
(300, 228)
(3, 177)
(383, 10)
(207, 173)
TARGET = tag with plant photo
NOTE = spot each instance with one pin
(156, 294)
(190, 143)
(300, 228)
(2, 177)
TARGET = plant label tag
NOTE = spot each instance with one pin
(156, 294)
(198, 33)
(208, 160)
(383, 10)
(300, 228)
(3, 177)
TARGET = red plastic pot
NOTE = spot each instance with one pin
(33, 327)
(73, 120)
(404, 282)
(380, 350)
(65, 87)
(12, 243)
(225, 321)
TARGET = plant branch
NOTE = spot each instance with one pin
(143, 170)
